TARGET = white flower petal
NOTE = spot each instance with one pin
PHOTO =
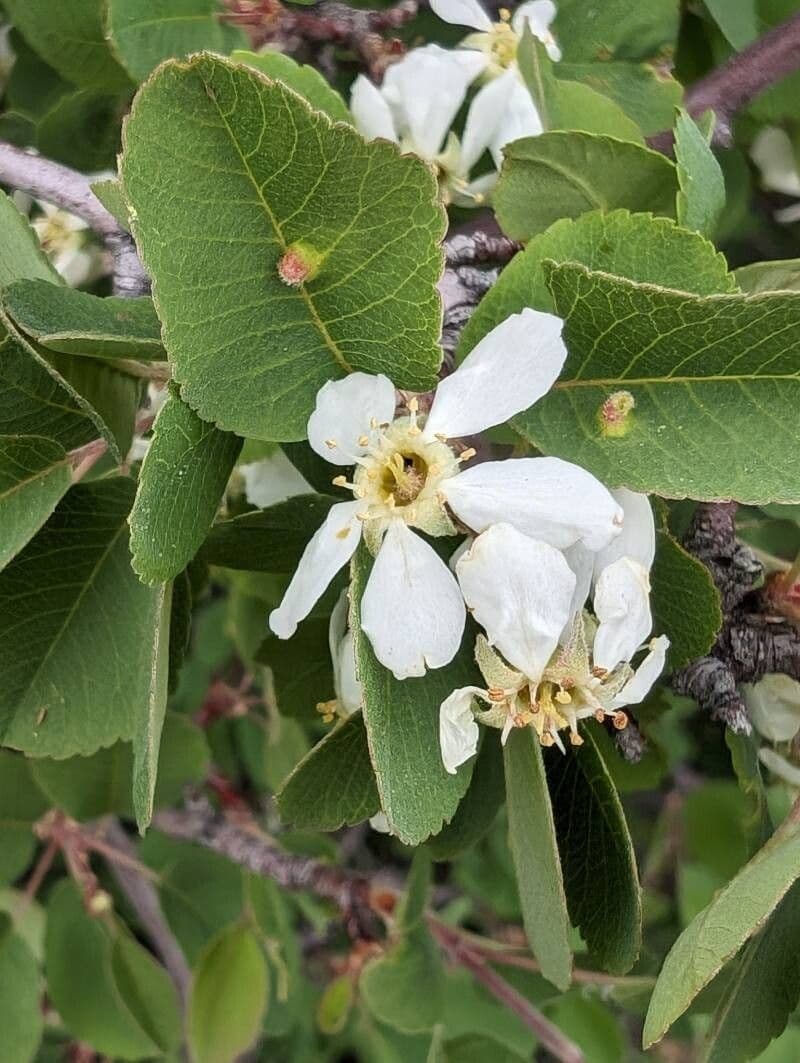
(519, 119)
(638, 537)
(639, 685)
(780, 766)
(380, 823)
(519, 591)
(509, 370)
(412, 610)
(343, 657)
(458, 731)
(581, 561)
(462, 13)
(546, 498)
(371, 111)
(343, 414)
(427, 88)
(622, 607)
(773, 153)
(272, 479)
(484, 117)
(329, 550)
(539, 14)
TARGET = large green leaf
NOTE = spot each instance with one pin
(762, 992)
(91, 1007)
(480, 805)
(148, 720)
(269, 177)
(230, 993)
(532, 835)
(34, 474)
(644, 91)
(21, 804)
(182, 480)
(637, 246)
(143, 33)
(739, 21)
(77, 641)
(720, 929)
(334, 784)
(304, 79)
(271, 540)
(701, 198)
(21, 1017)
(715, 383)
(565, 174)
(72, 322)
(685, 601)
(69, 36)
(600, 878)
(402, 720)
(148, 991)
(404, 986)
(616, 29)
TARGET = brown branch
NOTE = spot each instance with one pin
(70, 190)
(474, 248)
(143, 898)
(548, 1034)
(731, 87)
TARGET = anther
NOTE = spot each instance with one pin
(547, 740)
(599, 715)
(339, 481)
(363, 441)
(562, 697)
(413, 405)
(440, 436)
(496, 694)
(575, 739)
(599, 673)
(620, 720)
(331, 444)
(465, 455)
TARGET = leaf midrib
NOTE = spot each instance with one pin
(565, 385)
(39, 475)
(316, 320)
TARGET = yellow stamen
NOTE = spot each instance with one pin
(562, 697)
(620, 720)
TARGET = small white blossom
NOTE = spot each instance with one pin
(498, 41)
(521, 591)
(408, 477)
(63, 238)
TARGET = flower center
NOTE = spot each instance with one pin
(54, 234)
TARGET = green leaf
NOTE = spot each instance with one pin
(637, 246)
(182, 480)
(100, 785)
(143, 33)
(616, 29)
(739, 21)
(230, 994)
(569, 104)
(21, 1017)
(403, 988)
(534, 848)
(706, 376)
(148, 991)
(304, 79)
(591, 1024)
(701, 198)
(600, 878)
(67, 634)
(685, 602)
(83, 129)
(402, 720)
(21, 254)
(109, 192)
(718, 932)
(644, 91)
(479, 807)
(778, 276)
(335, 1005)
(70, 37)
(744, 759)
(302, 671)
(250, 352)
(565, 174)
(271, 540)
(34, 474)
(334, 784)
(91, 1007)
(149, 720)
(763, 991)
(72, 322)
(410, 910)
(21, 804)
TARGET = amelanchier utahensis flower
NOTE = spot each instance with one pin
(418, 102)
(408, 476)
(547, 663)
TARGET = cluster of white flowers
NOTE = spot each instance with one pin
(422, 94)
(544, 536)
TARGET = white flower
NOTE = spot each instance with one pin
(498, 41)
(271, 480)
(63, 238)
(346, 684)
(407, 474)
(521, 591)
(774, 706)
